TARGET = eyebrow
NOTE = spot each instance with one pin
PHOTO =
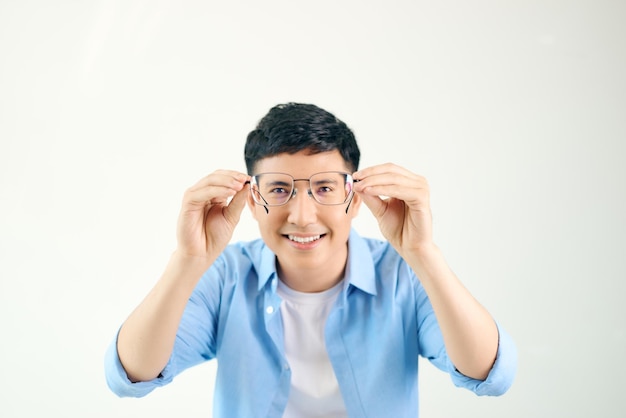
(326, 181)
(277, 183)
(274, 183)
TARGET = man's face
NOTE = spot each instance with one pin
(309, 239)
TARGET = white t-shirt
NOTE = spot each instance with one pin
(314, 389)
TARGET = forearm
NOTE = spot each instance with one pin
(147, 337)
(469, 332)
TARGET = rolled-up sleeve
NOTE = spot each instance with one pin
(118, 381)
(502, 373)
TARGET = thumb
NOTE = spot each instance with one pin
(232, 212)
(375, 204)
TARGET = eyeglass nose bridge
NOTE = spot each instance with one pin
(295, 190)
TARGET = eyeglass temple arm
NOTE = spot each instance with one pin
(264, 206)
(351, 196)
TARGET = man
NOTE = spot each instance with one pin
(312, 320)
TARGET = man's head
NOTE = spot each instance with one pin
(293, 127)
(304, 221)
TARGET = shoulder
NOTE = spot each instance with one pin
(375, 264)
(236, 261)
(378, 250)
(251, 250)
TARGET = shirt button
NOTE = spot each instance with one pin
(286, 366)
(269, 310)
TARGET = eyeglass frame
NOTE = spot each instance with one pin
(348, 198)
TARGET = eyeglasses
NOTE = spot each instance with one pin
(326, 188)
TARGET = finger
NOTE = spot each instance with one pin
(232, 212)
(381, 169)
(225, 178)
(215, 188)
(375, 204)
(400, 183)
(386, 174)
(402, 192)
(208, 195)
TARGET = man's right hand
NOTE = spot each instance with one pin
(208, 215)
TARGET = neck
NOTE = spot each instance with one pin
(311, 280)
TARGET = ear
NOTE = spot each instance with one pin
(355, 205)
(252, 206)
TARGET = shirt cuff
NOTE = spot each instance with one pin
(501, 375)
(118, 381)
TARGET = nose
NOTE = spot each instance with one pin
(302, 208)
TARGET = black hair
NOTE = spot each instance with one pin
(293, 127)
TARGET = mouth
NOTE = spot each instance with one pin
(304, 240)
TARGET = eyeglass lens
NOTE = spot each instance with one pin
(275, 189)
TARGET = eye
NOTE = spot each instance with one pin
(278, 190)
(324, 190)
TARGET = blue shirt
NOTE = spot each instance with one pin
(381, 322)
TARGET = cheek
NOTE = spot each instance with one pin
(267, 221)
(339, 222)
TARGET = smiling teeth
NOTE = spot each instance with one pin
(304, 240)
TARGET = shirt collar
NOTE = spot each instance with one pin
(266, 266)
(360, 271)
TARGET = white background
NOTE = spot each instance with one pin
(514, 110)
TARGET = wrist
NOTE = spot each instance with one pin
(186, 268)
(421, 252)
(427, 262)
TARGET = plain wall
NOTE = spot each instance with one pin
(515, 111)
